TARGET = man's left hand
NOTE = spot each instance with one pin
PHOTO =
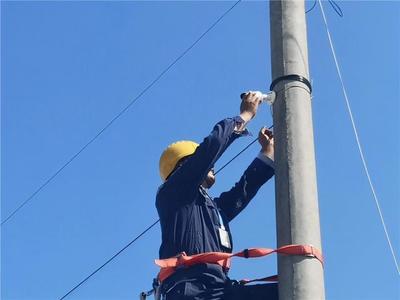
(266, 140)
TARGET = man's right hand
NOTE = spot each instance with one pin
(249, 106)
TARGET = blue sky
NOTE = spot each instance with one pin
(67, 68)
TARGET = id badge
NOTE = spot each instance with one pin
(224, 238)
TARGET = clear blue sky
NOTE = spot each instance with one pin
(67, 68)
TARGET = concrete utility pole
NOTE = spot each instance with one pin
(297, 210)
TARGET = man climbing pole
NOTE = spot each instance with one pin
(193, 222)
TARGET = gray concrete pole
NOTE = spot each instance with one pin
(297, 210)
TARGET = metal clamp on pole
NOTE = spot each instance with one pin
(291, 77)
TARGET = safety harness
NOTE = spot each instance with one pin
(170, 265)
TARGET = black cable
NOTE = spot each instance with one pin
(109, 260)
(255, 140)
(313, 6)
(121, 112)
(146, 230)
(334, 5)
(336, 8)
(236, 156)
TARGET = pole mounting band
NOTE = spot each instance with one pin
(293, 77)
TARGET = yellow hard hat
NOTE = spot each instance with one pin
(174, 153)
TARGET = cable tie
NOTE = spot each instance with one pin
(293, 77)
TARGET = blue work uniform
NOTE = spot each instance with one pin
(191, 220)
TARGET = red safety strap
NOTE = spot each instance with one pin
(169, 265)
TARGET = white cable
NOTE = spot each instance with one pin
(357, 138)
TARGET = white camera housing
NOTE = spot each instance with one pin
(268, 97)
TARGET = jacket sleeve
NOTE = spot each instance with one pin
(232, 202)
(192, 173)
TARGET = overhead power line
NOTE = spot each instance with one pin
(147, 88)
(336, 7)
(244, 149)
(110, 259)
(364, 162)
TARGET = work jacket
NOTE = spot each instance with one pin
(190, 219)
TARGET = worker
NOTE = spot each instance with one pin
(193, 222)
